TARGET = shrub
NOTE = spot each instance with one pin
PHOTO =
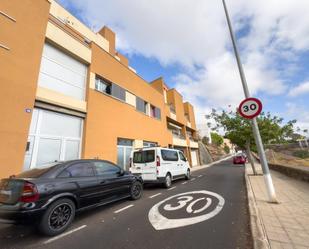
(301, 154)
(216, 139)
(226, 149)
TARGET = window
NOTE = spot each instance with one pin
(36, 172)
(141, 105)
(124, 142)
(169, 155)
(182, 157)
(147, 156)
(107, 87)
(152, 111)
(103, 85)
(105, 168)
(158, 113)
(78, 170)
(118, 92)
(149, 144)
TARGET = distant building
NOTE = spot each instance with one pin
(204, 130)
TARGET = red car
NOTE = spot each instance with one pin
(239, 159)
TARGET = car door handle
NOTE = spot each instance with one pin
(102, 182)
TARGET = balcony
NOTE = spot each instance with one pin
(178, 138)
(193, 143)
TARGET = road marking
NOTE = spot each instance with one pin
(184, 183)
(122, 209)
(192, 179)
(171, 188)
(155, 195)
(200, 176)
(186, 201)
(63, 235)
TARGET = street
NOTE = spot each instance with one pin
(208, 211)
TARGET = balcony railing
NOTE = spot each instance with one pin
(176, 134)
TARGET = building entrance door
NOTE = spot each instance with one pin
(124, 149)
(52, 137)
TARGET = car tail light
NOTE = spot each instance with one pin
(29, 193)
(158, 161)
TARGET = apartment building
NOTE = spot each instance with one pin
(66, 93)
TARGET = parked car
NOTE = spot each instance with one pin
(159, 165)
(50, 196)
(239, 159)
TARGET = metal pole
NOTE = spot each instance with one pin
(267, 177)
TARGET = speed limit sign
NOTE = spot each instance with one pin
(250, 108)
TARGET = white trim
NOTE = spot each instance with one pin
(5, 47)
(6, 15)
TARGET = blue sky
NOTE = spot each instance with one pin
(189, 45)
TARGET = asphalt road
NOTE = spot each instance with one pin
(209, 211)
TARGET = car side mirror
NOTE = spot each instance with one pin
(121, 172)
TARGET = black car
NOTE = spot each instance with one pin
(50, 196)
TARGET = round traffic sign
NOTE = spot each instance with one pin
(250, 108)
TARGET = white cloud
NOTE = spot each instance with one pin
(300, 114)
(194, 33)
(300, 89)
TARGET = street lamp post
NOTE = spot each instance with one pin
(267, 177)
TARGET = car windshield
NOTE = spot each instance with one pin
(36, 172)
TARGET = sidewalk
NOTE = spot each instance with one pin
(284, 225)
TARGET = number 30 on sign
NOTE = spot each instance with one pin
(250, 108)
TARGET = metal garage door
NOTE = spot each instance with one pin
(52, 137)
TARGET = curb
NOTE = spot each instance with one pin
(258, 232)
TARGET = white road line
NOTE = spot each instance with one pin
(155, 195)
(171, 188)
(192, 179)
(184, 183)
(122, 209)
(200, 176)
(64, 234)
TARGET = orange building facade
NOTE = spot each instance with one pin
(66, 93)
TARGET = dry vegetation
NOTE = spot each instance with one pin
(287, 157)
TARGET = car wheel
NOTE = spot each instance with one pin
(168, 181)
(57, 217)
(188, 175)
(136, 190)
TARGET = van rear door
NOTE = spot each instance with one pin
(144, 164)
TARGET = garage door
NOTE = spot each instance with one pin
(52, 137)
(194, 157)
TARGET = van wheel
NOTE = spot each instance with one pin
(168, 181)
(188, 175)
(57, 217)
(136, 190)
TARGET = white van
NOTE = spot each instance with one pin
(159, 165)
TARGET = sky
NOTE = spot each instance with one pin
(188, 44)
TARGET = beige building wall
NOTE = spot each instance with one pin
(19, 72)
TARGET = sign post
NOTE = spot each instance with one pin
(267, 177)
